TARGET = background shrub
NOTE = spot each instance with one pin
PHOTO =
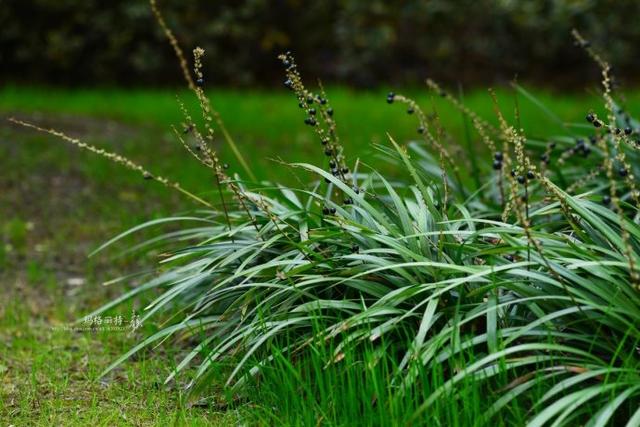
(357, 41)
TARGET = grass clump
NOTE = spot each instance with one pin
(430, 296)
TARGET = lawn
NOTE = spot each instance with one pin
(57, 204)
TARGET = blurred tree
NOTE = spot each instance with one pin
(363, 42)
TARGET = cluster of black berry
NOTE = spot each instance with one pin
(328, 211)
(591, 118)
(581, 147)
(391, 97)
(498, 157)
(529, 176)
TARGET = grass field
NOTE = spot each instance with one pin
(57, 204)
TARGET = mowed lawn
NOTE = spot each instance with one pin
(58, 203)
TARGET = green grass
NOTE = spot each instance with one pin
(57, 204)
(269, 125)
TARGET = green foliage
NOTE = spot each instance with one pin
(542, 301)
(359, 41)
(521, 287)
